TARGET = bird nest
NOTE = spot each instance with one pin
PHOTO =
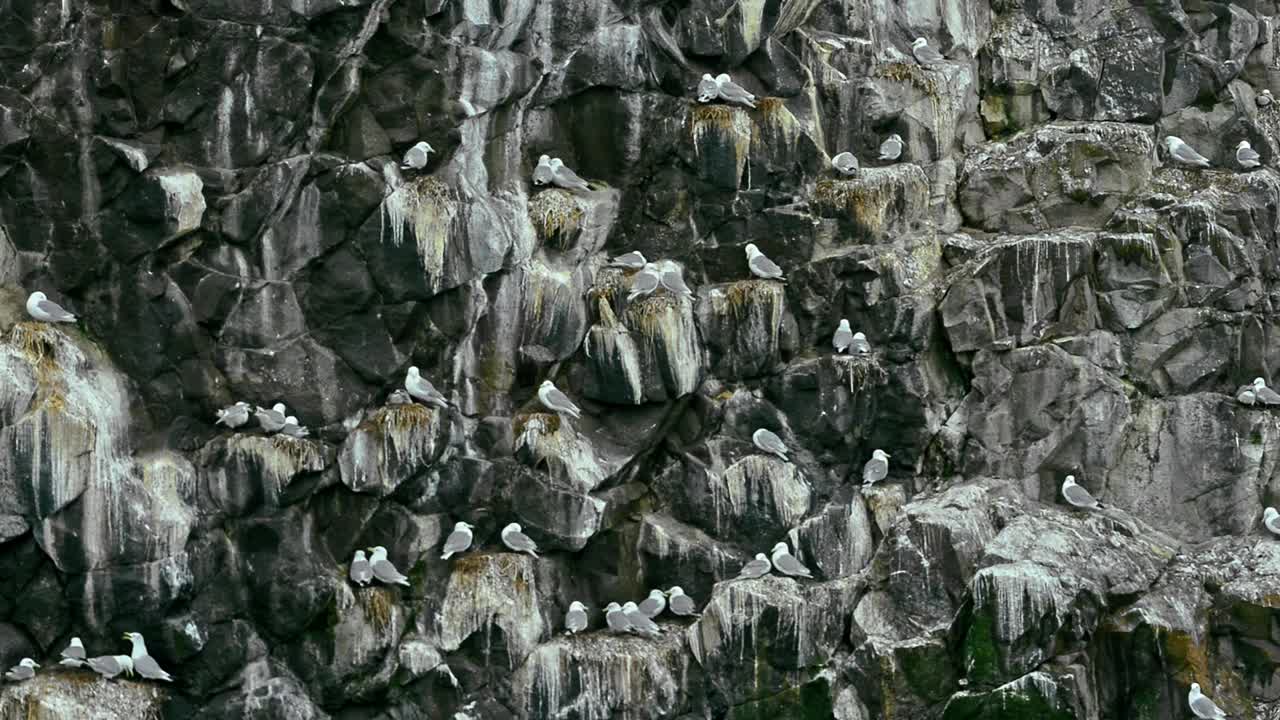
(543, 423)
(400, 418)
(745, 293)
(38, 342)
(379, 606)
(909, 73)
(558, 218)
(651, 315)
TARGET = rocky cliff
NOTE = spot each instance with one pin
(214, 187)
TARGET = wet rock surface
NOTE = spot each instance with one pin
(216, 190)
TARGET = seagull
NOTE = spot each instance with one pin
(681, 605)
(109, 666)
(459, 540)
(233, 416)
(24, 670)
(1264, 99)
(416, 158)
(1183, 153)
(845, 164)
(891, 149)
(293, 429)
(1078, 496)
(563, 177)
(400, 397)
(757, 568)
(653, 605)
(767, 441)
(1271, 520)
(860, 346)
(785, 563)
(1247, 156)
(422, 389)
(146, 665)
(616, 619)
(557, 402)
(673, 280)
(1246, 395)
(633, 260)
(74, 655)
(361, 572)
(542, 173)
(383, 570)
(271, 420)
(924, 54)
(575, 621)
(708, 89)
(513, 537)
(1202, 706)
(843, 337)
(877, 468)
(45, 310)
(640, 624)
(731, 91)
(645, 282)
(1264, 394)
(761, 266)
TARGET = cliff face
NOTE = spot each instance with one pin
(214, 187)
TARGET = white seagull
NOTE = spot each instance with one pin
(891, 149)
(786, 563)
(459, 540)
(761, 266)
(860, 346)
(731, 91)
(1076, 495)
(557, 402)
(924, 54)
(361, 572)
(1271, 520)
(45, 310)
(681, 605)
(24, 670)
(708, 90)
(615, 619)
(422, 389)
(1247, 156)
(757, 568)
(1264, 99)
(1245, 395)
(1202, 706)
(143, 663)
(563, 177)
(271, 419)
(673, 280)
(843, 337)
(769, 442)
(233, 416)
(109, 666)
(645, 281)
(383, 570)
(1264, 394)
(1183, 153)
(513, 537)
(877, 468)
(542, 174)
(633, 260)
(416, 157)
(845, 163)
(575, 621)
(653, 605)
(293, 429)
(640, 624)
(74, 655)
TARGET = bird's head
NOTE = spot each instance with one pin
(28, 662)
(1070, 480)
(657, 594)
(378, 551)
(513, 527)
(859, 336)
(544, 159)
(575, 605)
(426, 147)
(1171, 140)
(880, 455)
(291, 420)
(38, 295)
(707, 76)
(463, 524)
(242, 404)
(360, 555)
(761, 556)
(1267, 93)
(630, 606)
(133, 636)
(752, 250)
(780, 547)
(75, 642)
(675, 590)
(546, 385)
(844, 324)
(413, 371)
(612, 607)
(1259, 383)
(278, 407)
(1269, 513)
(1195, 687)
(556, 163)
(919, 42)
(1242, 144)
(896, 138)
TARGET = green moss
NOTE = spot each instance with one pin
(811, 701)
(927, 670)
(981, 658)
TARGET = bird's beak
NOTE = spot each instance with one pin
(35, 664)
(126, 636)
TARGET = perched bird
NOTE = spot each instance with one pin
(1271, 520)
(681, 604)
(761, 266)
(383, 570)
(615, 619)
(732, 92)
(859, 345)
(768, 442)
(565, 178)
(640, 624)
(633, 260)
(45, 310)
(1076, 495)
(1183, 153)
(645, 281)
(843, 337)
(361, 572)
(673, 281)
(143, 663)
(653, 605)
(891, 149)
(74, 655)
(877, 468)
(273, 419)
(421, 388)
(416, 157)
(233, 416)
(708, 89)
(924, 54)
(1247, 156)
(514, 538)
(293, 429)
(24, 670)
(557, 402)
(757, 568)
(1264, 394)
(459, 540)
(1245, 395)
(845, 163)
(1202, 706)
(575, 621)
(786, 563)
(1265, 99)
(109, 666)
(400, 397)
(542, 174)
